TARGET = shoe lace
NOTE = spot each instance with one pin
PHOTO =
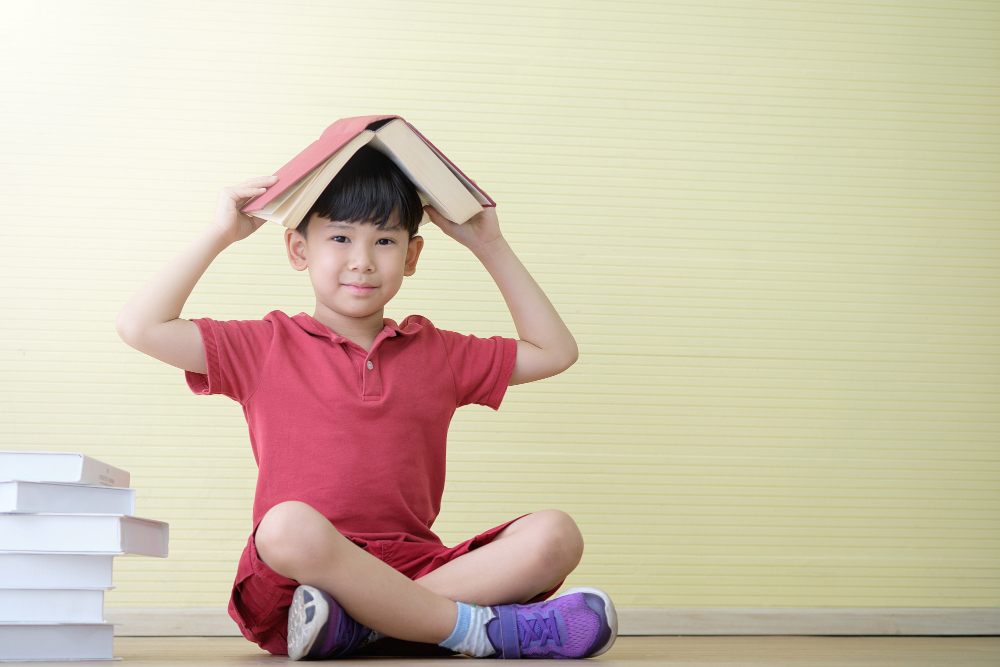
(539, 627)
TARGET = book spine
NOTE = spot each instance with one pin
(61, 571)
(101, 474)
(8, 497)
(144, 536)
(57, 641)
(80, 605)
(83, 533)
(65, 498)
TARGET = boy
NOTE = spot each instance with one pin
(348, 415)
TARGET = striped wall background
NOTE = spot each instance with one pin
(773, 226)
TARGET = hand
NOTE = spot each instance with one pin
(229, 222)
(476, 233)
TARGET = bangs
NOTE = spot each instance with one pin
(370, 188)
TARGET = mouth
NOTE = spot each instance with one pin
(358, 288)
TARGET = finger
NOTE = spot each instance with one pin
(240, 192)
(445, 225)
(262, 182)
(259, 180)
(438, 219)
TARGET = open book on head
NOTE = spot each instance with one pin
(302, 180)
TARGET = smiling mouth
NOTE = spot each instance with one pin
(359, 289)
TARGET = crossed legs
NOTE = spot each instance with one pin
(528, 557)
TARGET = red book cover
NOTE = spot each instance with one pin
(332, 140)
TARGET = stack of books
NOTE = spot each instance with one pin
(63, 518)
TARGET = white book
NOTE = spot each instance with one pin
(21, 570)
(60, 467)
(83, 533)
(57, 641)
(81, 605)
(58, 497)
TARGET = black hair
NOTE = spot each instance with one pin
(369, 188)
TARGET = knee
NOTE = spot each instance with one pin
(561, 539)
(293, 537)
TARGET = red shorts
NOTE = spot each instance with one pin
(261, 597)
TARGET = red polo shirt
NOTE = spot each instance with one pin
(360, 436)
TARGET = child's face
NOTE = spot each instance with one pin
(355, 268)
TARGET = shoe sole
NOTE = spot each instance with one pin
(609, 610)
(302, 635)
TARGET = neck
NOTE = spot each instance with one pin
(360, 330)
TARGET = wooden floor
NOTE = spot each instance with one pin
(627, 652)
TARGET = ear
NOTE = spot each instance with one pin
(296, 247)
(412, 255)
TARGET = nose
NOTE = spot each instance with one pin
(361, 259)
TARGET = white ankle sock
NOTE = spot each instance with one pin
(374, 636)
(469, 636)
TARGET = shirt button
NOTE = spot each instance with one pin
(370, 365)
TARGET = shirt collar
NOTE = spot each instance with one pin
(311, 325)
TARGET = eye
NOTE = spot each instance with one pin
(384, 242)
(339, 239)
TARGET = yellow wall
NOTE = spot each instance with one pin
(773, 227)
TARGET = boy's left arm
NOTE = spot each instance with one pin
(546, 347)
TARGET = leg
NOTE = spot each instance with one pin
(528, 557)
(298, 542)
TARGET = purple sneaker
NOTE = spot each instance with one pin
(319, 628)
(580, 623)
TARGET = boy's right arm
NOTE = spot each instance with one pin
(150, 322)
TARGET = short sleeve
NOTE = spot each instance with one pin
(236, 352)
(482, 367)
